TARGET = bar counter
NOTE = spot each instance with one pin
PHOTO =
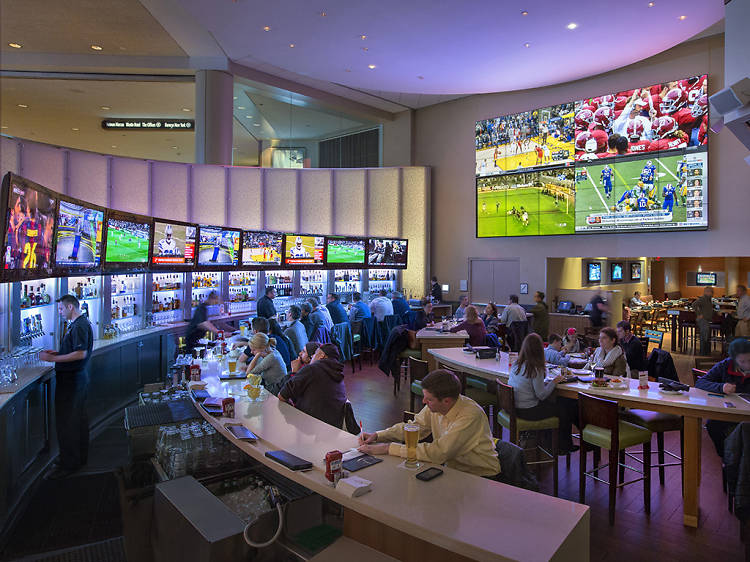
(455, 517)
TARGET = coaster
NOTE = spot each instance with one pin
(410, 469)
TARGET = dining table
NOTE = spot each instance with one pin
(434, 337)
(693, 405)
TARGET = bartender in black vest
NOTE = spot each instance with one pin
(72, 381)
(200, 324)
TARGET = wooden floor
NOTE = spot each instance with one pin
(635, 536)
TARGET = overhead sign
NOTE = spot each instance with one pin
(148, 124)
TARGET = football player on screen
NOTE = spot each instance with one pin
(667, 135)
(167, 245)
(606, 179)
(78, 231)
(669, 193)
(682, 173)
(298, 250)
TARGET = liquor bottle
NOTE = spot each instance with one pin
(134, 307)
(39, 300)
(45, 296)
(85, 309)
(123, 289)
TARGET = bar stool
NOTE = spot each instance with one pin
(403, 358)
(656, 422)
(506, 417)
(417, 371)
(601, 428)
(484, 393)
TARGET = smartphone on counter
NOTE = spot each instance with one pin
(429, 474)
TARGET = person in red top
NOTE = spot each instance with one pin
(473, 325)
(667, 134)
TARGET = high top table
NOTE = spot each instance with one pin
(433, 338)
(457, 517)
(693, 406)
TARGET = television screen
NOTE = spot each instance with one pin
(615, 271)
(388, 252)
(350, 251)
(635, 271)
(218, 246)
(174, 244)
(29, 223)
(705, 278)
(300, 249)
(128, 239)
(595, 272)
(261, 248)
(78, 238)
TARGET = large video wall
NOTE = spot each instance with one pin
(635, 160)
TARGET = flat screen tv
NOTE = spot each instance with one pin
(262, 249)
(387, 253)
(28, 221)
(633, 160)
(218, 247)
(128, 240)
(173, 245)
(705, 279)
(635, 271)
(616, 271)
(302, 249)
(594, 272)
(345, 251)
(79, 236)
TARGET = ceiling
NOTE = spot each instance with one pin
(449, 47)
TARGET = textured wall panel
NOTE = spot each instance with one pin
(415, 225)
(245, 198)
(130, 186)
(8, 156)
(280, 199)
(349, 202)
(383, 202)
(169, 190)
(87, 173)
(209, 196)
(316, 192)
(43, 164)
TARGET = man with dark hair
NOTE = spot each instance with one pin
(400, 306)
(599, 310)
(200, 324)
(461, 436)
(305, 311)
(704, 312)
(359, 310)
(541, 316)
(296, 330)
(318, 388)
(436, 291)
(337, 312)
(513, 312)
(320, 315)
(554, 353)
(732, 375)
(631, 345)
(266, 309)
(463, 302)
(72, 382)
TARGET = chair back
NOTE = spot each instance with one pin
(491, 340)
(408, 416)
(417, 369)
(505, 399)
(350, 421)
(517, 331)
(697, 373)
(369, 333)
(356, 327)
(342, 334)
(704, 363)
(686, 317)
(654, 336)
(321, 335)
(409, 317)
(601, 413)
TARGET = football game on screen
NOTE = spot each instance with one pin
(173, 244)
(218, 246)
(304, 249)
(346, 251)
(127, 241)
(79, 235)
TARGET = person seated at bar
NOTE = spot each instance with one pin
(267, 362)
(730, 376)
(631, 345)
(533, 396)
(570, 341)
(318, 388)
(257, 324)
(304, 357)
(381, 306)
(608, 355)
(263, 326)
(265, 306)
(400, 306)
(424, 316)
(554, 352)
(635, 300)
(320, 314)
(513, 312)
(305, 318)
(541, 315)
(463, 302)
(337, 312)
(490, 318)
(359, 310)
(473, 326)
(296, 330)
(283, 344)
(461, 436)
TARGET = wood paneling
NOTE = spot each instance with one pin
(706, 264)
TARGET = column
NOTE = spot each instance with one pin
(213, 117)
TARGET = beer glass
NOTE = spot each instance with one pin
(232, 364)
(411, 438)
(253, 392)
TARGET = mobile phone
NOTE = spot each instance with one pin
(729, 405)
(429, 474)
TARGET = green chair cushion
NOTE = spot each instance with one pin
(356, 338)
(526, 425)
(416, 388)
(473, 382)
(416, 353)
(629, 435)
(481, 397)
(656, 422)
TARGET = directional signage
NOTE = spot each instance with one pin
(137, 124)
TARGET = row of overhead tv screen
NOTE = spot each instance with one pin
(46, 232)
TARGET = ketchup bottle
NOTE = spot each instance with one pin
(333, 466)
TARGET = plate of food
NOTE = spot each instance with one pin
(580, 372)
(600, 383)
(617, 383)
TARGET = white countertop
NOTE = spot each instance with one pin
(437, 334)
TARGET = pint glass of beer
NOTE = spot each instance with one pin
(411, 438)
(232, 364)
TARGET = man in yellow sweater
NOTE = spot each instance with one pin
(461, 436)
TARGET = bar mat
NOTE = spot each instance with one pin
(317, 538)
(160, 414)
(112, 550)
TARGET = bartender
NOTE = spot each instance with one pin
(72, 383)
(200, 324)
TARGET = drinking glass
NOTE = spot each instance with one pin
(411, 438)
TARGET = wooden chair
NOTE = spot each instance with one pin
(506, 417)
(697, 373)
(484, 393)
(601, 428)
(408, 416)
(659, 423)
(417, 371)
(704, 363)
(687, 329)
(357, 347)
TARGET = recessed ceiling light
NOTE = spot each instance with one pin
(572, 25)
(363, 37)
(323, 14)
(96, 47)
(23, 105)
(4, 127)
(240, 107)
(174, 147)
(256, 124)
(249, 116)
(114, 146)
(347, 70)
(682, 17)
(234, 98)
(75, 129)
(524, 13)
(371, 66)
(267, 28)
(527, 44)
(291, 45)
(15, 45)
(105, 107)
(650, 4)
(186, 109)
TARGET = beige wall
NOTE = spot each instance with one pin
(398, 147)
(444, 140)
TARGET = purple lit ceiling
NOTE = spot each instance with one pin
(456, 47)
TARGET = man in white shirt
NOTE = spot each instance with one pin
(381, 306)
(636, 300)
(743, 313)
(463, 302)
(513, 312)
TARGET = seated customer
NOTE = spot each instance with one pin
(283, 344)
(359, 310)
(554, 353)
(531, 393)
(267, 363)
(490, 318)
(319, 315)
(608, 355)
(257, 324)
(463, 302)
(400, 306)
(732, 375)
(513, 312)
(296, 330)
(381, 306)
(305, 311)
(631, 345)
(570, 341)
(318, 388)
(473, 325)
(304, 357)
(424, 316)
(338, 314)
(635, 300)
(461, 437)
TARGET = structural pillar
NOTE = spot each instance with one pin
(213, 117)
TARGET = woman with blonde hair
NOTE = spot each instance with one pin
(473, 325)
(267, 362)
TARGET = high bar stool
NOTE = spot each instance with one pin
(656, 422)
